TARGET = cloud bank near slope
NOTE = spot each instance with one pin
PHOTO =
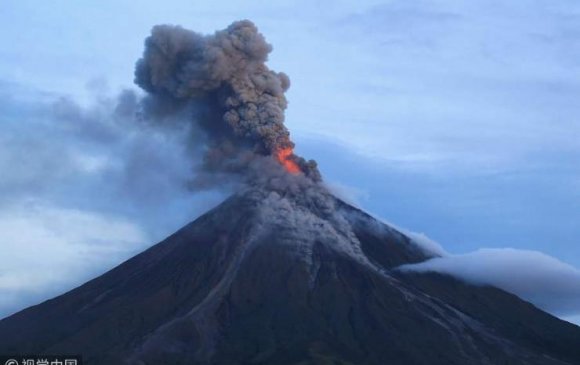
(548, 283)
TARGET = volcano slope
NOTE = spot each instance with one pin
(287, 278)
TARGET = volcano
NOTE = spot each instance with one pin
(282, 272)
(275, 277)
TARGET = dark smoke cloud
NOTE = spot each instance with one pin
(211, 117)
(232, 96)
(149, 148)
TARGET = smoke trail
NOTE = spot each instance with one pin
(238, 101)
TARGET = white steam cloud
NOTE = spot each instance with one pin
(548, 283)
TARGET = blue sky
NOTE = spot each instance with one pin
(457, 119)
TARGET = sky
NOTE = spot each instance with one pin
(459, 120)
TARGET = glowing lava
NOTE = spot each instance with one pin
(284, 156)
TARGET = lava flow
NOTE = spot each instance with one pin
(284, 156)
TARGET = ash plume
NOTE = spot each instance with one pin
(232, 97)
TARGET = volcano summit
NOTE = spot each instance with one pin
(282, 272)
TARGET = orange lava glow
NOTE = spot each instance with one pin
(284, 157)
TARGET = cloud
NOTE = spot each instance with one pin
(82, 188)
(46, 249)
(445, 86)
(53, 142)
(404, 23)
(350, 194)
(55, 148)
(543, 280)
(427, 244)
